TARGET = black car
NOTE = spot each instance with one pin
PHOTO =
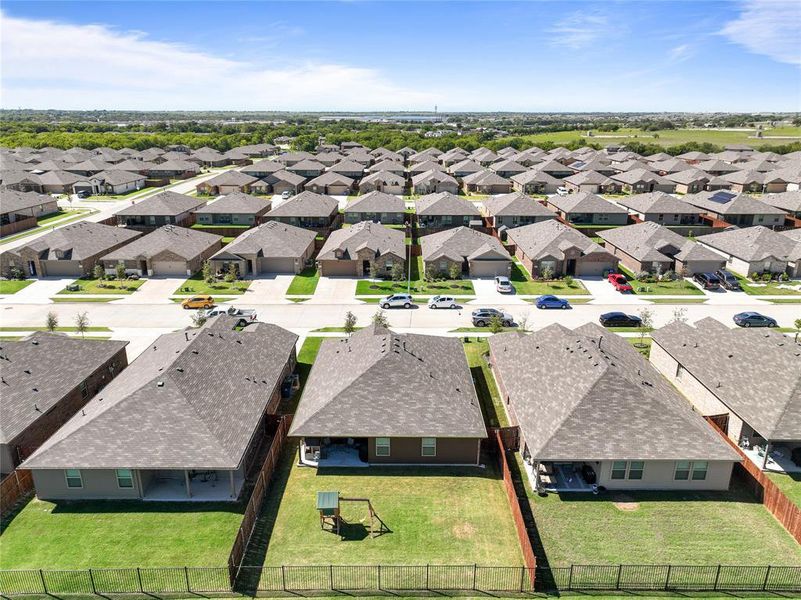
(728, 281)
(754, 319)
(619, 319)
(708, 281)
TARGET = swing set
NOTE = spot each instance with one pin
(328, 504)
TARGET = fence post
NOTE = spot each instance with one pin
(475, 568)
(767, 575)
(570, 579)
(283, 578)
(427, 585)
(92, 581)
(186, 577)
(139, 579)
(667, 578)
(331, 577)
(44, 585)
(619, 571)
(717, 578)
(379, 577)
(522, 577)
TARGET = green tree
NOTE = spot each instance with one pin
(98, 272)
(495, 324)
(797, 324)
(380, 319)
(546, 273)
(199, 318)
(230, 275)
(454, 271)
(646, 324)
(119, 268)
(350, 323)
(82, 323)
(51, 322)
(397, 272)
(208, 275)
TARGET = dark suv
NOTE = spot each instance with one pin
(728, 281)
(708, 281)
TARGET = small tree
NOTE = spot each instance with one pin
(350, 322)
(454, 271)
(82, 323)
(431, 272)
(199, 318)
(679, 315)
(98, 272)
(230, 275)
(797, 324)
(569, 282)
(546, 272)
(119, 269)
(51, 322)
(397, 272)
(373, 270)
(522, 323)
(646, 324)
(208, 275)
(495, 324)
(380, 319)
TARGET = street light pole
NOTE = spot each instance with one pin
(409, 259)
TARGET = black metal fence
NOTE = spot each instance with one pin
(399, 578)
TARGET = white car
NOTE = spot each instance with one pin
(397, 301)
(503, 285)
(286, 194)
(562, 191)
(442, 302)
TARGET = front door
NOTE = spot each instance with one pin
(32, 268)
(366, 267)
(571, 266)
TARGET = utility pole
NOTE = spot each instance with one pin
(409, 259)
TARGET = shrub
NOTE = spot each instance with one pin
(546, 273)
(767, 277)
(669, 275)
(642, 275)
(397, 272)
(454, 271)
(784, 277)
(16, 273)
(569, 282)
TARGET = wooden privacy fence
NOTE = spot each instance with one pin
(771, 496)
(409, 578)
(529, 559)
(13, 488)
(257, 499)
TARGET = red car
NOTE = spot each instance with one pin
(620, 282)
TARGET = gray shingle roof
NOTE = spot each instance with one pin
(445, 203)
(306, 204)
(373, 236)
(379, 383)
(78, 241)
(615, 407)
(39, 371)
(551, 238)
(649, 241)
(789, 201)
(271, 240)
(191, 400)
(230, 178)
(757, 374)
(462, 243)
(658, 202)
(331, 178)
(236, 203)
(377, 202)
(181, 241)
(163, 204)
(516, 204)
(752, 244)
(12, 200)
(585, 202)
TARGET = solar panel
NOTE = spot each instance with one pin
(722, 197)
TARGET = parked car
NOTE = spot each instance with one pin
(708, 281)
(619, 319)
(397, 301)
(481, 317)
(442, 302)
(203, 301)
(754, 319)
(552, 302)
(286, 194)
(728, 280)
(619, 281)
(562, 191)
(503, 285)
(232, 311)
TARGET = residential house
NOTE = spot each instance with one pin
(378, 207)
(618, 424)
(592, 182)
(174, 169)
(433, 182)
(486, 182)
(423, 381)
(475, 254)
(445, 210)
(165, 208)
(48, 378)
(514, 210)
(746, 381)
(331, 183)
(535, 182)
(348, 168)
(737, 209)
(226, 182)
(555, 247)
(388, 166)
(365, 249)
(233, 209)
(184, 421)
(284, 181)
(21, 210)
(167, 251)
(661, 208)
(638, 181)
(289, 159)
(584, 208)
(307, 168)
(651, 247)
(21, 181)
(745, 181)
(307, 209)
(789, 202)
(58, 182)
(110, 182)
(465, 167)
(262, 168)
(69, 251)
(692, 181)
(756, 250)
(383, 181)
(507, 168)
(270, 248)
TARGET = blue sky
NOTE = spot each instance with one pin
(516, 56)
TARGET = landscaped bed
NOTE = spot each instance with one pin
(767, 288)
(523, 284)
(436, 515)
(304, 283)
(91, 285)
(677, 287)
(12, 286)
(85, 534)
(419, 285)
(197, 285)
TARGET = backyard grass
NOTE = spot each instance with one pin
(12, 286)
(436, 515)
(790, 484)
(196, 285)
(490, 398)
(419, 285)
(523, 284)
(91, 285)
(642, 346)
(683, 528)
(109, 533)
(304, 283)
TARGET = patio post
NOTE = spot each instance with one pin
(765, 458)
(188, 484)
(233, 489)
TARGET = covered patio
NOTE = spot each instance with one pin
(778, 460)
(191, 485)
(334, 452)
(557, 477)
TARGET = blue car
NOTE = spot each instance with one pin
(552, 302)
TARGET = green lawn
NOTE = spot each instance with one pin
(305, 282)
(90, 285)
(491, 404)
(306, 355)
(366, 287)
(677, 300)
(64, 329)
(79, 300)
(196, 285)
(523, 284)
(682, 528)
(643, 346)
(766, 289)
(436, 515)
(790, 484)
(785, 301)
(85, 534)
(12, 286)
(677, 287)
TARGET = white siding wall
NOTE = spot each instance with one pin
(658, 475)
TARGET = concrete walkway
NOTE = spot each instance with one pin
(334, 290)
(155, 290)
(40, 291)
(270, 289)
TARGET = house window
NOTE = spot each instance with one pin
(622, 469)
(636, 468)
(73, 477)
(382, 446)
(124, 478)
(682, 470)
(619, 469)
(429, 446)
(699, 470)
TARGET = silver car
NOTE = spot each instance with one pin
(397, 301)
(503, 285)
(442, 302)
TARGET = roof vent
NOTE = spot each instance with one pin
(35, 342)
(28, 371)
(179, 369)
(160, 384)
(195, 352)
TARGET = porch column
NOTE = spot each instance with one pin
(767, 453)
(139, 483)
(188, 484)
(233, 489)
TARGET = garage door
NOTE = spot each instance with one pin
(167, 267)
(591, 269)
(61, 268)
(332, 268)
(276, 265)
(488, 268)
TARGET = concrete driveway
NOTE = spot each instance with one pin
(267, 289)
(486, 293)
(155, 290)
(604, 292)
(40, 291)
(334, 290)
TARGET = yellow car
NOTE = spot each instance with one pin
(198, 302)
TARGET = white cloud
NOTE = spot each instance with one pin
(579, 30)
(681, 53)
(47, 64)
(768, 27)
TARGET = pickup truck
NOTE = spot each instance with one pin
(620, 282)
(245, 315)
